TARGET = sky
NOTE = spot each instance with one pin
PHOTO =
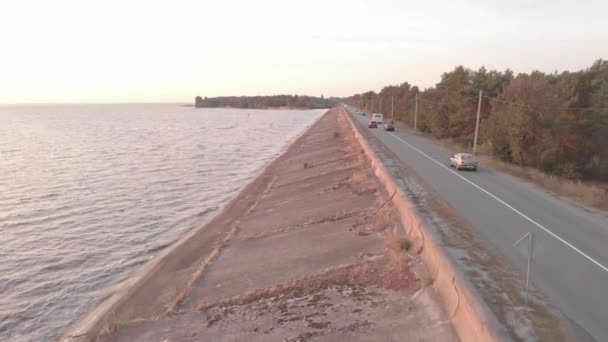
(171, 51)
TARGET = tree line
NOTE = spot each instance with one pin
(555, 122)
(264, 102)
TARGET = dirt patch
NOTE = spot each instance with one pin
(380, 271)
(314, 301)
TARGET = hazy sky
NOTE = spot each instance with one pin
(124, 50)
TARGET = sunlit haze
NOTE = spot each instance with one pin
(156, 51)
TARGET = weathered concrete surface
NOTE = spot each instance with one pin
(300, 254)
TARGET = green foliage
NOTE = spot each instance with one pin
(263, 102)
(557, 123)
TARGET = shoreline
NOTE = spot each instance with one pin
(78, 330)
(172, 283)
(254, 108)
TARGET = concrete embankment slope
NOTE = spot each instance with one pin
(312, 249)
(485, 295)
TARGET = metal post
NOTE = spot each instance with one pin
(416, 113)
(530, 251)
(477, 123)
(529, 263)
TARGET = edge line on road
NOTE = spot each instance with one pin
(559, 238)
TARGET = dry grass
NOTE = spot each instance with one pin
(592, 195)
(394, 241)
(397, 243)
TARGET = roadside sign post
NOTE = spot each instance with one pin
(530, 247)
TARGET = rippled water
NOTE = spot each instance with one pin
(90, 192)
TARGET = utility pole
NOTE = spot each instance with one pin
(392, 107)
(477, 123)
(372, 111)
(416, 113)
(380, 107)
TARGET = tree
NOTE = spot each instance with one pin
(198, 102)
(555, 122)
(262, 102)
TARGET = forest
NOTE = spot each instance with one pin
(264, 102)
(557, 122)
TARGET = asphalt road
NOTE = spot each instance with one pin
(570, 255)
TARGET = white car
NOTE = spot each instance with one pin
(465, 161)
(377, 118)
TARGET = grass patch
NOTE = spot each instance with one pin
(590, 194)
(398, 243)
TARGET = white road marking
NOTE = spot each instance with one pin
(505, 204)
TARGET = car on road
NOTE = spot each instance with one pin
(464, 161)
(372, 124)
(377, 117)
(362, 112)
(389, 126)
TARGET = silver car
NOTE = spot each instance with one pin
(464, 161)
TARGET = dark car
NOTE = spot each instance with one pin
(389, 126)
(464, 161)
(372, 124)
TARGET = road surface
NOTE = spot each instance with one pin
(570, 256)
